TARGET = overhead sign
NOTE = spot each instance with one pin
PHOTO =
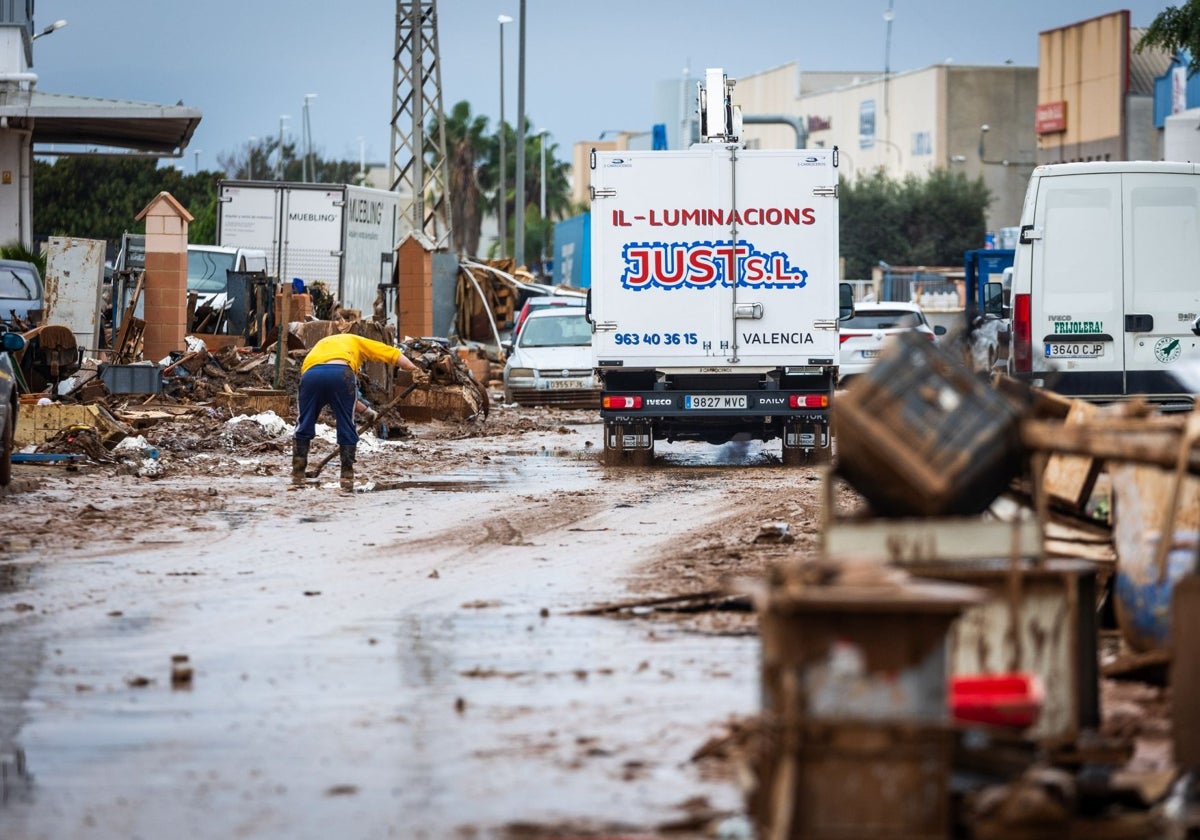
(1051, 117)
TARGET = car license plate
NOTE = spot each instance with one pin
(870, 354)
(1074, 350)
(560, 384)
(709, 401)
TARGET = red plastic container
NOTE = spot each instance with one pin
(1011, 700)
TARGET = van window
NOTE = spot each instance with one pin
(1166, 247)
(1082, 249)
(206, 271)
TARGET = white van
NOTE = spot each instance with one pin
(1106, 280)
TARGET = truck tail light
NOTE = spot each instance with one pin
(1022, 334)
(621, 402)
(808, 401)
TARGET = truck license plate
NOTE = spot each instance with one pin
(703, 401)
(560, 384)
(1076, 350)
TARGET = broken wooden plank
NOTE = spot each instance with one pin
(1070, 479)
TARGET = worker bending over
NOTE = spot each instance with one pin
(329, 377)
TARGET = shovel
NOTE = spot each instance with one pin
(378, 415)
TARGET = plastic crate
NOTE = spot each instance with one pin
(920, 435)
(132, 379)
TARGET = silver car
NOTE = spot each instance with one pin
(551, 361)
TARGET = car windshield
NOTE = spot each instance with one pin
(557, 331)
(884, 319)
(206, 271)
(18, 283)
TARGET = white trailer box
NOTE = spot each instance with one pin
(340, 234)
(715, 295)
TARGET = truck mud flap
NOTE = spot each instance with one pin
(628, 444)
(806, 444)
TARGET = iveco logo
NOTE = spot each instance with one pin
(659, 401)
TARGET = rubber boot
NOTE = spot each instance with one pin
(347, 456)
(299, 461)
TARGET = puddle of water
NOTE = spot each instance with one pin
(436, 484)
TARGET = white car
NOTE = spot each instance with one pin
(864, 335)
(551, 362)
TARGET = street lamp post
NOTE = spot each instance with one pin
(309, 168)
(279, 157)
(502, 198)
(54, 27)
(197, 152)
(542, 182)
(519, 233)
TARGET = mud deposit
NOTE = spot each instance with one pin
(406, 661)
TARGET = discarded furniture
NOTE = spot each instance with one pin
(855, 740)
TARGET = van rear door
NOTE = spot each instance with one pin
(1078, 315)
(1161, 295)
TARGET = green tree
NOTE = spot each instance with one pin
(468, 145)
(1176, 28)
(916, 221)
(100, 197)
(473, 161)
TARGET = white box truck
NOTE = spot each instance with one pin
(1104, 291)
(340, 234)
(715, 295)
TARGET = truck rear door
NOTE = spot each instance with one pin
(659, 296)
(713, 256)
(1161, 295)
(1077, 314)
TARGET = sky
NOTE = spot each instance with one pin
(590, 67)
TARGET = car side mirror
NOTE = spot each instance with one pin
(938, 329)
(12, 342)
(845, 301)
(507, 347)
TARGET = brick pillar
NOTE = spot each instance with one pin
(414, 298)
(164, 293)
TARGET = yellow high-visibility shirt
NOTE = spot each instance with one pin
(352, 349)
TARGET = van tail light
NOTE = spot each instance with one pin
(621, 402)
(1022, 334)
(808, 401)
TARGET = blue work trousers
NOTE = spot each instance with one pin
(335, 386)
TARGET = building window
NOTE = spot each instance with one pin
(866, 124)
(922, 143)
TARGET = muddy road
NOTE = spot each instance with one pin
(406, 661)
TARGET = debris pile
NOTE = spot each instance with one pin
(1079, 529)
(190, 402)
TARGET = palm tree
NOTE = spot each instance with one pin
(468, 148)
